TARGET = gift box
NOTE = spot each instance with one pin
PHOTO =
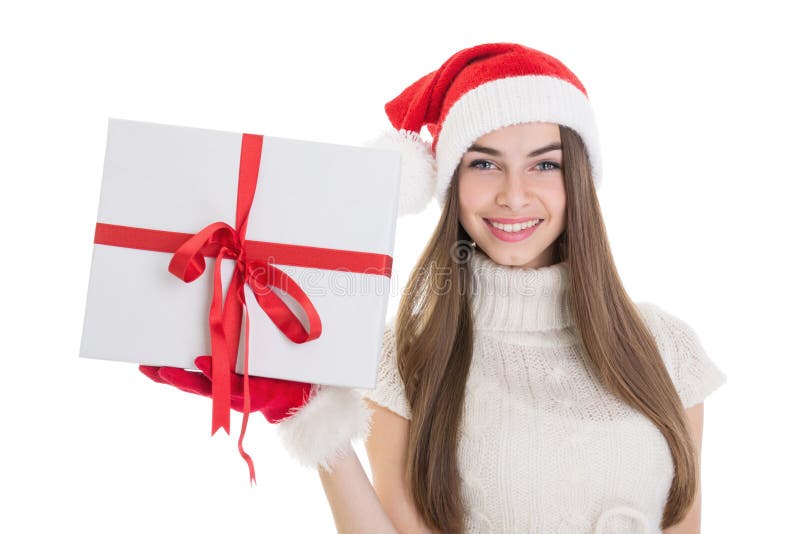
(193, 221)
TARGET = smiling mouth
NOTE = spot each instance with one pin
(515, 227)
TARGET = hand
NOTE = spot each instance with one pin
(317, 422)
(276, 399)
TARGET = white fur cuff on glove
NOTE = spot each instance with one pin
(319, 433)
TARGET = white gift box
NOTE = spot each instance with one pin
(308, 194)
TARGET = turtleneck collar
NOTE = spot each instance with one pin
(519, 299)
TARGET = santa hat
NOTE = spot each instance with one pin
(476, 91)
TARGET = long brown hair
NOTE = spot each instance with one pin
(434, 347)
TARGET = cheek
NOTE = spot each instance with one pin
(559, 203)
(471, 192)
(556, 199)
(471, 199)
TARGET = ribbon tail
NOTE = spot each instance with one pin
(232, 313)
(220, 367)
(246, 400)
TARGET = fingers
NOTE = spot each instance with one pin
(259, 386)
(151, 372)
(188, 381)
(237, 382)
(275, 398)
(204, 364)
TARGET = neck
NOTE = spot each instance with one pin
(515, 299)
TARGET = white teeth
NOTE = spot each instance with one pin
(517, 226)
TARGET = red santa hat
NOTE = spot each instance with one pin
(476, 91)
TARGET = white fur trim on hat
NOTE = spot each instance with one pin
(320, 432)
(508, 101)
(418, 168)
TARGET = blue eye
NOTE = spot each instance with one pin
(478, 164)
(555, 166)
(486, 165)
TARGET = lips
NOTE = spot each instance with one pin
(511, 237)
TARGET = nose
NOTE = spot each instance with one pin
(514, 193)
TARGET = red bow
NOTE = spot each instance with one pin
(225, 320)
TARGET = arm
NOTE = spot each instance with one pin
(386, 449)
(357, 506)
(691, 523)
(353, 501)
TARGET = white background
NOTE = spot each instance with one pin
(697, 110)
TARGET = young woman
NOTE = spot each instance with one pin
(520, 389)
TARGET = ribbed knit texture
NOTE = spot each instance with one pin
(543, 446)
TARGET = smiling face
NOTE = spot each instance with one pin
(513, 177)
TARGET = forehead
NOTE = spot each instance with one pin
(530, 131)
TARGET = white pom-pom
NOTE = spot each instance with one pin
(418, 168)
(319, 433)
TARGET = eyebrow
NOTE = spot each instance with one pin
(494, 152)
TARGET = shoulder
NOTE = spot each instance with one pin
(389, 390)
(693, 372)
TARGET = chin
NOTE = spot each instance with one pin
(532, 259)
(510, 259)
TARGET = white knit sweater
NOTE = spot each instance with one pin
(544, 447)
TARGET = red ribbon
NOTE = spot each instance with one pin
(221, 241)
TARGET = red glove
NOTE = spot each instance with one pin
(317, 422)
(275, 398)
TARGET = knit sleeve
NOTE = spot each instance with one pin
(389, 390)
(694, 374)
